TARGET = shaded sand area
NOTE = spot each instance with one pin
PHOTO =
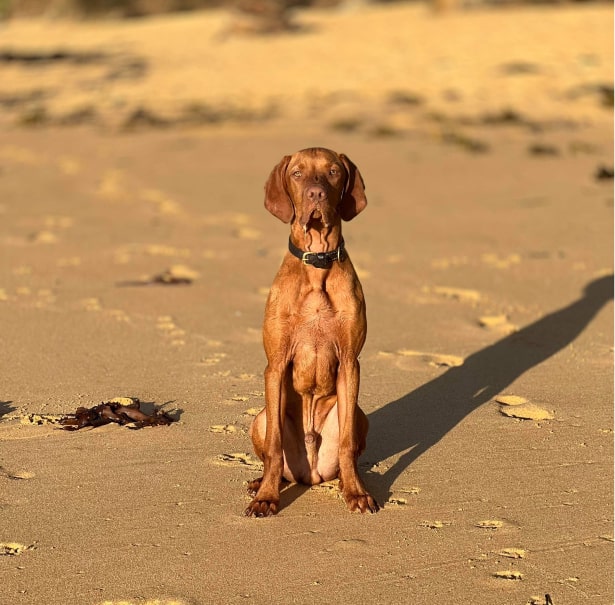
(486, 259)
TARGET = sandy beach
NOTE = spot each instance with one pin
(131, 150)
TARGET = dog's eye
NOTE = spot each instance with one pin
(297, 173)
(333, 172)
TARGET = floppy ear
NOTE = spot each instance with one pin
(353, 200)
(277, 200)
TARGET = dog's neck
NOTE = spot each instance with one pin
(325, 239)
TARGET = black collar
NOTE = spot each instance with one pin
(320, 260)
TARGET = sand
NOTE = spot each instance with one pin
(486, 259)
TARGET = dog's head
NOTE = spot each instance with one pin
(315, 187)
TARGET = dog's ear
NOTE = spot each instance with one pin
(277, 200)
(353, 200)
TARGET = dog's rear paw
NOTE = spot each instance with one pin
(363, 503)
(254, 485)
(262, 508)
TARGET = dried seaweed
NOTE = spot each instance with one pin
(119, 413)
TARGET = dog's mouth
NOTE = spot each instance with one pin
(316, 221)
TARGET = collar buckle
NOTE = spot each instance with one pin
(320, 260)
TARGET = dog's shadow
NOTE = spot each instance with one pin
(412, 424)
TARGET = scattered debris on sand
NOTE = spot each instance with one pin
(121, 410)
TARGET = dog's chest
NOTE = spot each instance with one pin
(315, 310)
(314, 345)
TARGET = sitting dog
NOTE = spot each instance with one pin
(312, 429)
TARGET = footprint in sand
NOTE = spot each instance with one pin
(489, 524)
(446, 263)
(213, 359)
(69, 165)
(162, 203)
(12, 549)
(493, 260)
(40, 299)
(124, 254)
(400, 496)
(461, 294)
(240, 459)
(248, 233)
(228, 429)
(348, 544)
(90, 304)
(170, 331)
(537, 600)
(71, 261)
(17, 475)
(401, 357)
(41, 419)
(59, 222)
(43, 237)
(21, 155)
(112, 186)
(435, 524)
(497, 323)
(512, 553)
(330, 488)
(508, 574)
(94, 305)
(156, 601)
(253, 411)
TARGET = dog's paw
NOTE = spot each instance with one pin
(262, 508)
(254, 486)
(363, 503)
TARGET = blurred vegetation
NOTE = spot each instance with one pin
(95, 8)
(141, 8)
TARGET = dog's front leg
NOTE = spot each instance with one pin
(267, 498)
(354, 492)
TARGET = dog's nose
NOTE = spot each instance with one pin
(316, 194)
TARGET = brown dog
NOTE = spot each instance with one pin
(312, 429)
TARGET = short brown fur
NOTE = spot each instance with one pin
(312, 429)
